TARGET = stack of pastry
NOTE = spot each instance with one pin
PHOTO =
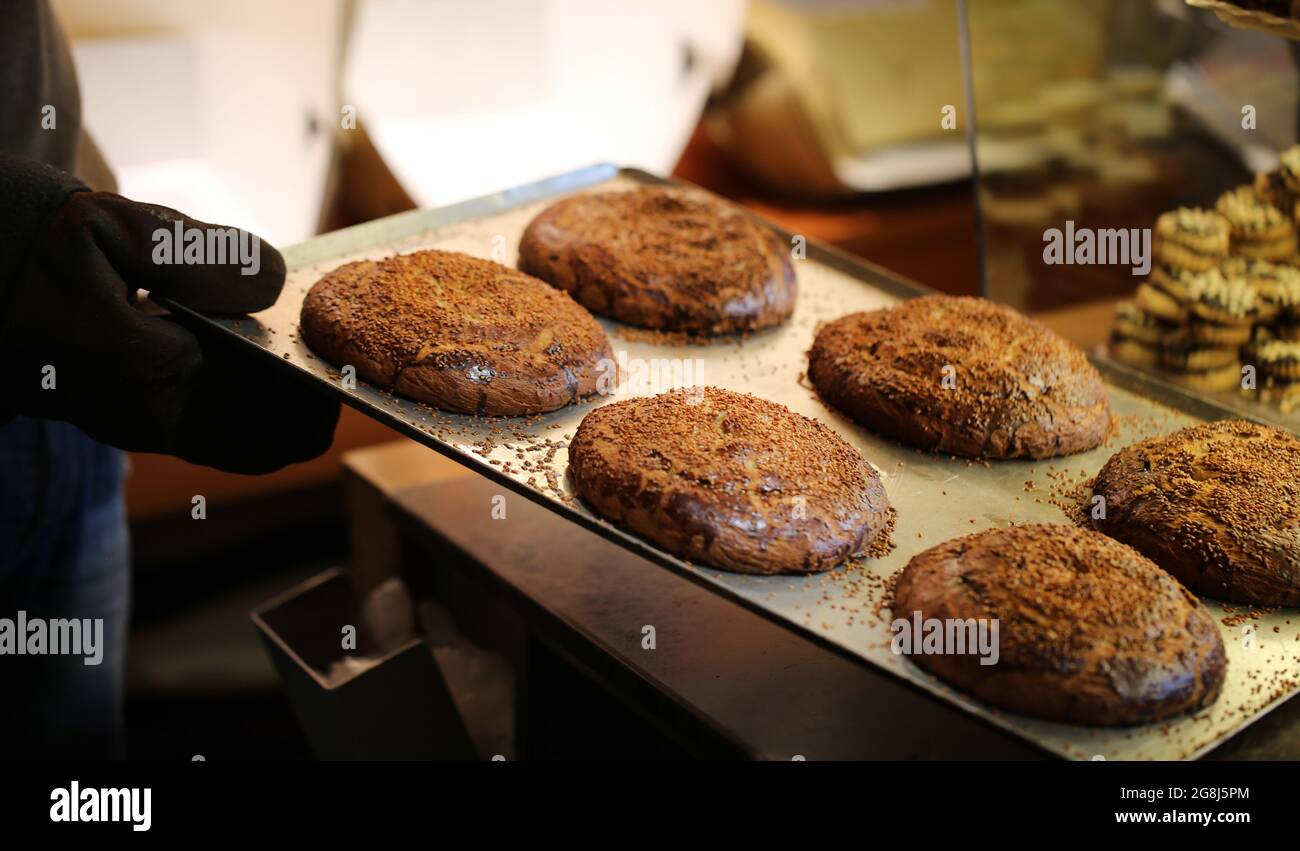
(1259, 231)
(1275, 347)
(1224, 292)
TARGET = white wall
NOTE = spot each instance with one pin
(205, 106)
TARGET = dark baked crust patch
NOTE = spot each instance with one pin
(1015, 389)
(667, 259)
(1089, 630)
(1217, 505)
(461, 333)
(729, 480)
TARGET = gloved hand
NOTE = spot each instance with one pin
(137, 381)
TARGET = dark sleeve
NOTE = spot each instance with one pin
(36, 72)
(40, 107)
(31, 192)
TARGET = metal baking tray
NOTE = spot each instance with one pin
(936, 497)
(1238, 403)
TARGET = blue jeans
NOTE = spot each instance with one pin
(64, 553)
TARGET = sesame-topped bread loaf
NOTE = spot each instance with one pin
(663, 258)
(460, 333)
(1089, 630)
(965, 376)
(728, 480)
(1217, 505)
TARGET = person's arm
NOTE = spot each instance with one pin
(74, 346)
(31, 191)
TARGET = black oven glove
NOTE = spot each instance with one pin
(76, 345)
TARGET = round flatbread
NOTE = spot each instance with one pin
(666, 259)
(1089, 631)
(1217, 505)
(965, 376)
(728, 480)
(460, 333)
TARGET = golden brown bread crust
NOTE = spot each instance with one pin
(461, 333)
(668, 259)
(729, 480)
(1217, 505)
(1017, 390)
(1089, 630)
